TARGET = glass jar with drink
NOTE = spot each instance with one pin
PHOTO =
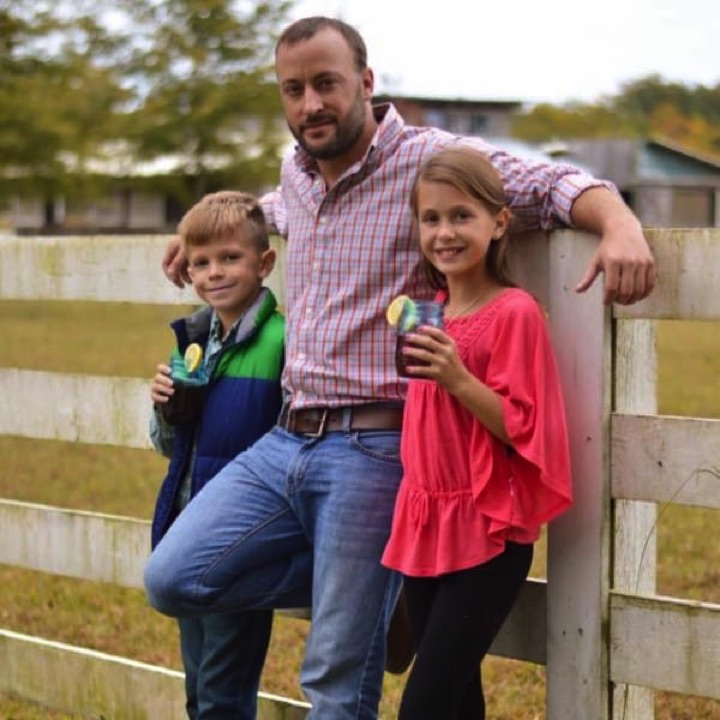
(407, 316)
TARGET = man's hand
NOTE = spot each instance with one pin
(628, 265)
(623, 254)
(174, 263)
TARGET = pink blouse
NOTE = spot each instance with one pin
(464, 493)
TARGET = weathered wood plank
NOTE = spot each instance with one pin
(79, 408)
(528, 258)
(665, 644)
(110, 268)
(634, 536)
(88, 682)
(126, 269)
(74, 543)
(666, 459)
(689, 276)
(578, 548)
(524, 634)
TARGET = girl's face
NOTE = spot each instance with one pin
(455, 229)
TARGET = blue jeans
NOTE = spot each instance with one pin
(292, 520)
(223, 657)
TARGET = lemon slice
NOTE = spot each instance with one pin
(193, 357)
(395, 308)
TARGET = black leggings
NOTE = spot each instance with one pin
(455, 618)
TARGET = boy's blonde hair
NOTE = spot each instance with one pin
(224, 214)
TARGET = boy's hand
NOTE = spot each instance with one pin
(161, 387)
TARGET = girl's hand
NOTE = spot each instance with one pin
(444, 366)
(161, 387)
(434, 347)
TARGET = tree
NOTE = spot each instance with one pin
(203, 73)
(545, 122)
(58, 101)
(645, 107)
(641, 98)
(689, 115)
(87, 89)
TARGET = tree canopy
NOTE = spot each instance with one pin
(83, 87)
(647, 106)
(57, 101)
(187, 88)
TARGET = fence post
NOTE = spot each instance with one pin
(634, 537)
(578, 542)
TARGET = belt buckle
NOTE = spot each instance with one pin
(321, 426)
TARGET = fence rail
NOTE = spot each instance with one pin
(663, 459)
(105, 686)
(596, 623)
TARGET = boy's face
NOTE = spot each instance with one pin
(227, 274)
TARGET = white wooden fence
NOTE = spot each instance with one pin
(606, 638)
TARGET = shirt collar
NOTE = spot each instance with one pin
(216, 328)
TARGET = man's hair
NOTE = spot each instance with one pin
(306, 28)
(470, 172)
(224, 214)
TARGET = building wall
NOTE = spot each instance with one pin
(123, 210)
(653, 206)
(146, 211)
(102, 213)
(464, 118)
(27, 212)
(677, 207)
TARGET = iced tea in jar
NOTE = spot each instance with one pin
(408, 315)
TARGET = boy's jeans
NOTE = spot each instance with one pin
(223, 657)
(295, 519)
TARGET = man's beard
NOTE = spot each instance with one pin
(346, 135)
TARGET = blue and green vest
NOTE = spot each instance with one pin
(242, 402)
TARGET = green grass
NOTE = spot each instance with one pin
(129, 340)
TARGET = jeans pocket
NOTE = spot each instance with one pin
(378, 444)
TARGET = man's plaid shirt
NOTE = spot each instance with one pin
(351, 249)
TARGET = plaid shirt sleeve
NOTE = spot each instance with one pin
(541, 193)
(162, 435)
(275, 212)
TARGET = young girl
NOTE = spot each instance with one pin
(484, 444)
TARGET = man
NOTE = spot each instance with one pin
(305, 513)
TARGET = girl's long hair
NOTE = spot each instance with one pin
(470, 172)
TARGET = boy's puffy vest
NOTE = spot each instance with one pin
(242, 402)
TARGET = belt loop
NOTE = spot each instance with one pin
(347, 418)
(321, 425)
(284, 416)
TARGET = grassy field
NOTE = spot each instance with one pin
(130, 340)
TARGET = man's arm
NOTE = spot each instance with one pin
(546, 196)
(623, 254)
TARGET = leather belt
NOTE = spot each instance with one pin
(315, 422)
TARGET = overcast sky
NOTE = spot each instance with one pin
(530, 50)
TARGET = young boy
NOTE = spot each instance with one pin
(241, 335)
